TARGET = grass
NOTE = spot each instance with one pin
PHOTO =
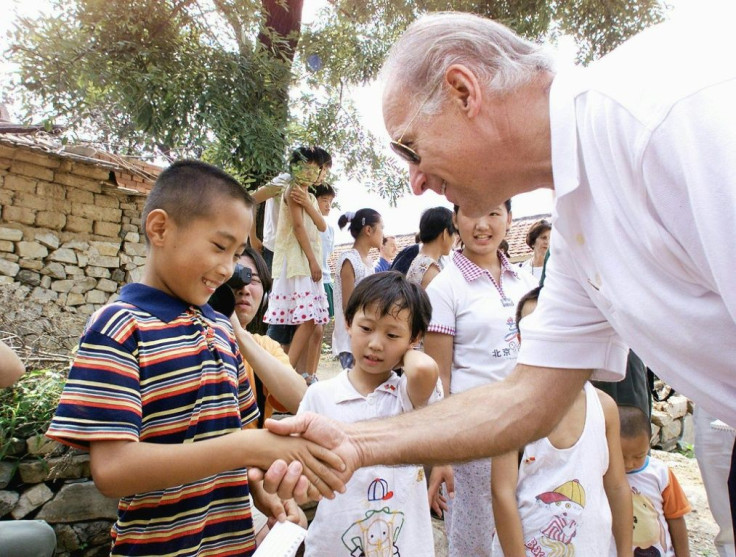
(26, 409)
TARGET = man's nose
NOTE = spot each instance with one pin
(417, 180)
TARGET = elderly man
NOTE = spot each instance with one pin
(639, 149)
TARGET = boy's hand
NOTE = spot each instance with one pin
(438, 476)
(315, 269)
(299, 196)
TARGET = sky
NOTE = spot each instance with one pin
(404, 218)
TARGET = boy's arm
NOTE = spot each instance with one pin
(11, 368)
(297, 220)
(121, 468)
(300, 197)
(678, 533)
(280, 379)
(438, 346)
(266, 192)
(614, 480)
(421, 376)
(504, 479)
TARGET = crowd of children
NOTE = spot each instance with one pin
(168, 395)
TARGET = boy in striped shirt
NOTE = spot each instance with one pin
(158, 393)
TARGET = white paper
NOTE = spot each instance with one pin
(282, 541)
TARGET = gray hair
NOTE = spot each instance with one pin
(498, 57)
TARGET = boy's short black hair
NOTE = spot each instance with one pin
(311, 154)
(391, 293)
(324, 189)
(531, 296)
(634, 422)
(191, 189)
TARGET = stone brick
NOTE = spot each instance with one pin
(97, 272)
(45, 282)
(107, 285)
(76, 245)
(8, 268)
(63, 255)
(8, 247)
(8, 152)
(74, 299)
(55, 270)
(5, 163)
(132, 237)
(47, 189)
(77, 502)
(130, 228)
(127, 206)
(32, 170)
(74, 271)
(671, 431)
(20, 183)
(677, 406)
(96, 213)
(661, 418)
(118, 275)
(104, 261)
(43, 296)
(22, 215)
(78, 182)
(11, 257)
(78, 224)
(108, 229)
(7, 471)
(32, 264)
(84, 284)
(82, 258)
(31, 499)
(40, 159)
(96, 297)
(104, 200)
(32, 250)
(33, 201)
(48, 239)
(91, 171)
(28, 277)
(6, 196)
(62, 285)
(139, 261)
(42, 445)
(135, 249)
(51, 219)
(5, 280)
(104, 248)
(8, 500)
(688, 430)
(11, 234)
(80, 196)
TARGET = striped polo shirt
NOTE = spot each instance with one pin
(152, 368)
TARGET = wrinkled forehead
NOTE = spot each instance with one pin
(397, 104)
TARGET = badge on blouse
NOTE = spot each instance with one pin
(507, 302)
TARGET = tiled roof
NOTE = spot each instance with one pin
(516, 237)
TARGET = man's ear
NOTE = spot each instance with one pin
(158, 223)
(465, 90)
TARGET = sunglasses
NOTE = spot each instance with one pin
(404, 151)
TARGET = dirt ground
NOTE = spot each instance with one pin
(701, 526)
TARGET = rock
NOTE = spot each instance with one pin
(688, 430)
(96, 297)
(94, 533)
(11, 234)
(104, 248)
(63, 468)
(63, 285)
(661, 418)
(66, 538)
(78, 502)
(8, 500)
(671, 431)
(63, 255)
(42, 445)
(7, 471)
(31, 499)
(677, 406)
(97, 272)
(107, 285)
(118, 275)
(29, 277)
(8, 268)
(55, 270)
(83, 285)
(132, 237)
(16, 447)
(135, 249)
(104, 261)
(43, 296)
(32, 250)
(48, 239)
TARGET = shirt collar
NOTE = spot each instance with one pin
(158, 303)
(646, 463)
(471, 271)
(563, 127)
(345, 392)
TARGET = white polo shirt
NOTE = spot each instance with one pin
(467, 305)
(644, 162)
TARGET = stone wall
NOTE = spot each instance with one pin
(69, 236)
(42, 479)
(672, 424)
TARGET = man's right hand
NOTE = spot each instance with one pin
(285, 480)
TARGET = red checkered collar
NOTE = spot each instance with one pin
(471, 271)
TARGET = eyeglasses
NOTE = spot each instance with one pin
(404, 151)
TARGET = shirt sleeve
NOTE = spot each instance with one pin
(567, 330)
(674, 501)
(443, 302)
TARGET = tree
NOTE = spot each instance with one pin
(238, 81)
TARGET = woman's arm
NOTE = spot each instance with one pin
(281, 380)
(429, 275)
(438, 346)
(614, 481)
(297, 220)
(504, 479)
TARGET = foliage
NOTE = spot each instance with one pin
(208, 78)
(26, 409)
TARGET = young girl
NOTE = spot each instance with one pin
(384, 510)
(472, 337)
(298, 297)
(565, 494)
(437, 235)
(353, 266)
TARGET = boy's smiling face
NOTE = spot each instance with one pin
(190, 260)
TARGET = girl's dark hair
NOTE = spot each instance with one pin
(310, 154)
(261, 268)
(506, 203)
(536, 230)
(359, 220)
(434, 222)
(391, 293)
(324, 189)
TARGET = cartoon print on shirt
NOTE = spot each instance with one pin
(648, 532)
(565, 504)
(512, 342)
(376, 534)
